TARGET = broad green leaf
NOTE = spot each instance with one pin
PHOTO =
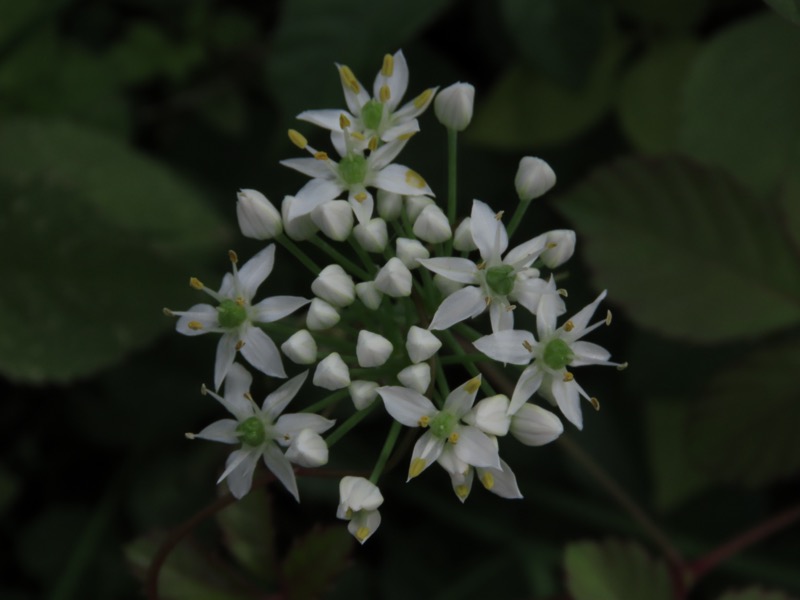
(755, 594)
(649, 98)
(685, 249)
(789, 9)
(524, 109)
(664, 14)
(186, 573)
(615, 570)
(559, 37)
(744, 429)
(740, 108)
(249, 533)
(314, 561)
(96, 239)
(311, 36)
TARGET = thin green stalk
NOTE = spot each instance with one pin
(284, 241)
(452, 179)
(522, 207)
(349, 424)
(386, 451)
(340, 258)
(366, 260)
(456, 347)
(327, 401)
(441, 379)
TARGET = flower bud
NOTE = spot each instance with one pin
(359, 500)
(560, 245)
(446, 286)
(389, 205)
(534, 178)
(334, 286)
(334, 218)
(372, 350)
(534, 426)
(462, 240)
(300, 348)
(408, 251)
(432, 225)
(372, 235)
(453, 106)
(421, 344)
(363, 393)
(415, 204)
(394, 279)
(299, 228)
(308, 449)
(332, 373)
(490, 415)
(416, 377)
(321, 315)
(258, 218)
(370, 295)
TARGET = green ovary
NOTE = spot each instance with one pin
(353, 169)
(442, 425)
(251, 432)
(500, 279)
(231, 314)
(371, 114)
(557, 354)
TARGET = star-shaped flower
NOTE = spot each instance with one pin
(260, 431)
(235, 316)
(497, 280)
(549, 357)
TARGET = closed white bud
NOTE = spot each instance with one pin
(416, 377)
(453, 106)
(372, 235)
(369, 294)
(432, 225)
(332, 373)
(415, 204)
(372, 350)
(321, 315)
(408, 251)
(490, 415)
(334, 218)
(308, 449)
(446, 286)
(300, 348)
(462, 240)
(363, 393)
(534, 178)
(389, 205)
(258, 218)
(534, 426)
(421, 344)
(394, 279)
(299, 228)
(334, 286)
(560, 244)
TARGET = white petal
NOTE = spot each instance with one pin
(202, 317)
(223, 431)
(255, 271)
(464, 304)
(569, 400)
(363, 524)
(488, 233)
(261, 352)
(501, 317)
(401, 180)
(276, 402)
(476, 448)
(308, 449)
(417, 106)
(461, 270)
(281, 468)
(354, 93)
(237, 384)
(547, 311)
(581, 319)
(289, 426)
(312, 195)
(460, 400)
(587, 353)
(523, 255)
(529, 293)
(327, 118)
(316, 169)
(397, 81)
(226, 353)
(358, 493)
(527, 385)
(402, 129)
(426, 451)
(507, 346)
(406, 406)
(276, 307)
(385, 155)
(362, 209)
(239, 470)
(501, 481)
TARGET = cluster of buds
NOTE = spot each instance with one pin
(395, 306)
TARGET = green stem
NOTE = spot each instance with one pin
(327, 401)
(522, 207)
(457, 348)
(368, 263)
(349, 424)
(284, 241)
(340, 258)
(386, 451)
(452, 179)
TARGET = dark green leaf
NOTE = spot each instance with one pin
(740, 108)
(745, 427)
(664, 14)
(46, 543)
(755, 594)
(9, 488)
(788, 9)
(314, 561)
(615, 570)
(686, 250)
(249, 533)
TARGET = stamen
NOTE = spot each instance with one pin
(453, 438)
(203, 389)
(462, 491)
(569, 326)
(349, 79)
(360, 196)
(168, 312)
(622, 366)
(414, 179)
(233, 257)
(373, 144)
(473, 385)
(239, 345)
(344, 122)
(511, 307)
(488, 300)
(417, 466)
(487, 479)
(385, 93)
(348, 513)
(562, 292)
(189, 436)
(424, 421)
(357, 135)
(249, 396)
(321, 155)
(608, 317)
(527, 345)
(595, 403)
(406, 136)
(362, 533)
(499, 216)
(481, 265)
(298, 139)
(194, 325)
(551, 245)
(388, 65)
(423, 98)
(196, 283)
(568, 376)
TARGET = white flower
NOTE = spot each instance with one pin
(235, 317)
(500, 481)
(549, 358)
(469, 443)
(376, 116)
(258, 218)
(534, 177)
(359, 500)
(453, 106)
(496, 281)
(260, 431)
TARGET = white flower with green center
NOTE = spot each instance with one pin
(359, 500)
(354, 173)
(378, 115)
(497, 281)
(235, 316)
(444, 427)
(260, 431)
(549, 357)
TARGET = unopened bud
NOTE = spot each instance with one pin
(363, 393)
(258, 218)
(334, 218)
(534, 178)
(534, 426)
(453, 106)
(415, 205)
(463, 240)
(432, 225)
(369, 294)
(321, 315)
(416, 377)
(372, 350)
(300, 348)
(408, 251)
(490, 415)
(334, 286)
(299, 228)
(372, 236)
(389, 205)
(394, 279)
(308, 449)
(421, 344)
(332, 373)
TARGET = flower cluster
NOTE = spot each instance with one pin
(399, 296)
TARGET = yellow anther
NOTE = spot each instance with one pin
(384, 93)
(194, 325)
(406, 136)
(622, 366)
(595, 403)
(417, 466)
(321, 155)
(499, 216)
(487, 479)
(196, 283)
(349, 79)
(360, 196)
(239, 345)
(562, 292)
(373, 144)
(511, 307)
(357, 135)
(527, 345)
(488, 300)
(298, 139)
(424, 421)
(167, 312)
(481, 265)
(203, 389)
(551, 245)
(453, 438)
(414, 179)
(568, 376)
(473, 385)
(388, 65)
(608, 317)
(249, 396)
(240, 301)
(348, 514)
(462, 491)
(344, 122)
(189, 436)
(362, 533)
(233, 257)
(423, 98)
(569, 326)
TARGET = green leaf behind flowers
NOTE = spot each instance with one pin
(788, 9)
(686, 249)
(755, 594)
(314, 561)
